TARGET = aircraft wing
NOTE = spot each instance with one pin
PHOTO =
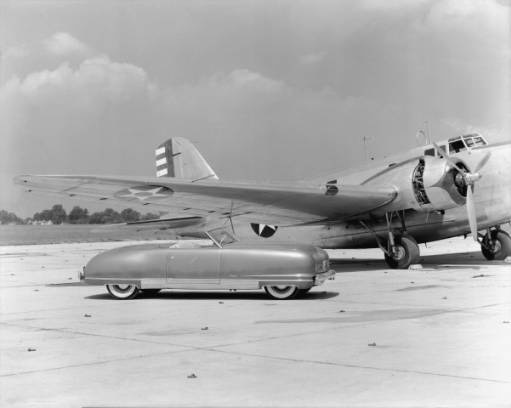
(289, 204)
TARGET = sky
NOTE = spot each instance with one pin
(267, 90)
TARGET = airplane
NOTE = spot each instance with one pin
(459, 186)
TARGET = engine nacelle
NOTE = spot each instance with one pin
(437, 185)
(427, 183)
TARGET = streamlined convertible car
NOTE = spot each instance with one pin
(283, 270)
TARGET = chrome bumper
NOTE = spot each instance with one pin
(322, 277)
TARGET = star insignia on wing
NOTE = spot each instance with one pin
(144, 193)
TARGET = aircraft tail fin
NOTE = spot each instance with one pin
(178, 157)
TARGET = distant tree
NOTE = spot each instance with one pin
(78, 215)
(44, 215)
(149, 216)
(9, 218)
(96, 218)
(109, 216)
(130, 215)
(58, 214)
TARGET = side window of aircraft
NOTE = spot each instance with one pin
(457, 146)
(443, 149)
(429, 152)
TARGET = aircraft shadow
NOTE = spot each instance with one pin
(459, 260)
(241, 295)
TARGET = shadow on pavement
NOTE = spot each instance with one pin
(459, 260)
(241, 295)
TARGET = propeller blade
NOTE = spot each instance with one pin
(470, 178)
(471, 213)
(449, 159)
(483, 161)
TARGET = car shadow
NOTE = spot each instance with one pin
(220, 296)
(66, 284)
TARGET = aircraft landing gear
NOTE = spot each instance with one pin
(403, 253)
(401, 250)
(496, 245)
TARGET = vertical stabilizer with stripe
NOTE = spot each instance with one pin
(178, 157)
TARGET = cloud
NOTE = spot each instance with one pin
(23, 59)
(98, 74)
(97, 80)
(64, 44)
(87, 104)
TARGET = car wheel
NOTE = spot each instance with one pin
(123, 291)
(281, 291)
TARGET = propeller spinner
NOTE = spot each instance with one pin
(469, 179)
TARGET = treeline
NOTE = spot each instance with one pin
(78, 215)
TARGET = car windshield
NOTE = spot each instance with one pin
(221, 236)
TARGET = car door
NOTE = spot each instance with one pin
(193, 267)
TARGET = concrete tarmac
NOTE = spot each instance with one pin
(374, 337)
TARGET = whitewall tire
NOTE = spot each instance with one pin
(123, 292)
(281, 291)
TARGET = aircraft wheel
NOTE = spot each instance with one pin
(407, 252)
(497, 247)
(123, 292)
(281, 292)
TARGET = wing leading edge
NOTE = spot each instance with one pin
(287, 204)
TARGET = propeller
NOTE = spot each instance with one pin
(469, 179)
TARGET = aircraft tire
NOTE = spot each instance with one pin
(281, 292)
(408, 253)
(123, 292)
(501, 247)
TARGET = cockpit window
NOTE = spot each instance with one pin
(457, 146)
(429, 152)
(474, 140)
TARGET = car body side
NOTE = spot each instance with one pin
(236, 266)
